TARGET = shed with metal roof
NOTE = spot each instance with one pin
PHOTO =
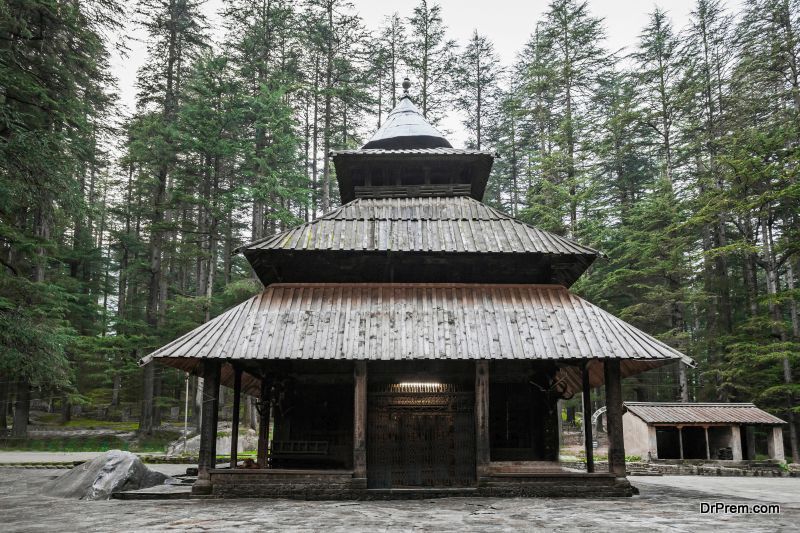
(718, 431)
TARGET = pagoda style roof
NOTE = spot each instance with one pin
(408, 172)
(409, 157)
(437, 226)
(406, 127)
(372, 152)
(398, 321)
(700, 413)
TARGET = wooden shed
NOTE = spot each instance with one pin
(413, 340)
(711, 431)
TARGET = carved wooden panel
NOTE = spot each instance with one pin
(420, 439)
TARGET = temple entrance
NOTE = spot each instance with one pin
(420, 435)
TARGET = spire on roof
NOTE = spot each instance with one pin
(405, 127)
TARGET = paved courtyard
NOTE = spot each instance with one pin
(665, 504)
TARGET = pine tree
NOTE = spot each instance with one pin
(175, 29)
(658, 73)
(53, 64)
(477, 79)
(431, 59)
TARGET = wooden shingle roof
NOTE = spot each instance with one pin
(701, 413)
(439, 224)
(420, 321)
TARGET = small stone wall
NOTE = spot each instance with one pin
(709, 468)
(293, 484)
(340, 485)
(566, 485)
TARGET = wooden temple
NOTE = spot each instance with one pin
(413, 341)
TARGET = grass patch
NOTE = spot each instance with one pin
(155, 443)
(88, 423)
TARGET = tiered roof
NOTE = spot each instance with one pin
(414, 266)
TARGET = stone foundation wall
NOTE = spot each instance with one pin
(321, 485)
(709, 468)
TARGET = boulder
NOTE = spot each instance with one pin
(248, 441)
(114, 471)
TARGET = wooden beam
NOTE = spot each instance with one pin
(616, 443)
(680, 440)
(208, 426)
(482, 442)
(237, 397)
(587, 419)
(360, 420)
(708, 449)
(263, 423)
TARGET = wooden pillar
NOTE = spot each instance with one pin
(587, 419)
(750, 437)
(708, 448)
(482, 443)
(616, 443)
(775, 443)
(237, 396)
(208, 426)
(736, 442)
(360, 420)
(263, 423)
(680, 440)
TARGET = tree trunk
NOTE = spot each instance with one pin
(778, 331)
(198, 402)
(146, 416)
(21, 409)
(115, 390)
(4, 402)
(66, 409)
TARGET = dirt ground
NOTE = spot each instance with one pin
(665, 504)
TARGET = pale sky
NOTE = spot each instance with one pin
(507, 23)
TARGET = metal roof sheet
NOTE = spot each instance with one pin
(435, 224)
(420, 321)
(700, 413)
(405, 127)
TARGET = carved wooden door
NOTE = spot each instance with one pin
(420, 439)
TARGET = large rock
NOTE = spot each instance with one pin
(248, 441)
(114, 471)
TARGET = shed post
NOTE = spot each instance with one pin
(237, 397)
(263, 423)
(680, 440)
(616, 443)
(775, 443)
(708, 449)
(482, 444)
(208, 427)
(587, 416)
(736, 442)
(750, 444)
(360, 420)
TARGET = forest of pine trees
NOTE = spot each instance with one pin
(678, 157)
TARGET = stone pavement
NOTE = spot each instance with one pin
(665, 504)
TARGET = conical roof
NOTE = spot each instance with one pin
(405, 127)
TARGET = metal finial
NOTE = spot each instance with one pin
(406, 85)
